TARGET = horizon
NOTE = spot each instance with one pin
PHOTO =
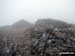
(34, 22)
(12, 11)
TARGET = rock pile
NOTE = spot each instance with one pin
(53, 41)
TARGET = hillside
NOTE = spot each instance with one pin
(51, 22)
(22, 24)
(18, 26)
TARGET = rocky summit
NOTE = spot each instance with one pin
(45, 38)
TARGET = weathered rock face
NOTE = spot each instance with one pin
(53, 41)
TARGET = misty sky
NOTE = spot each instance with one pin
(31, 10)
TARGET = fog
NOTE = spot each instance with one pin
(31, 10)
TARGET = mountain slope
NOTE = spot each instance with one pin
(50, 22)
(18, 26)
(21, 24)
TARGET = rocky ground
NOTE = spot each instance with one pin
(53, 41)
(43, 39)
